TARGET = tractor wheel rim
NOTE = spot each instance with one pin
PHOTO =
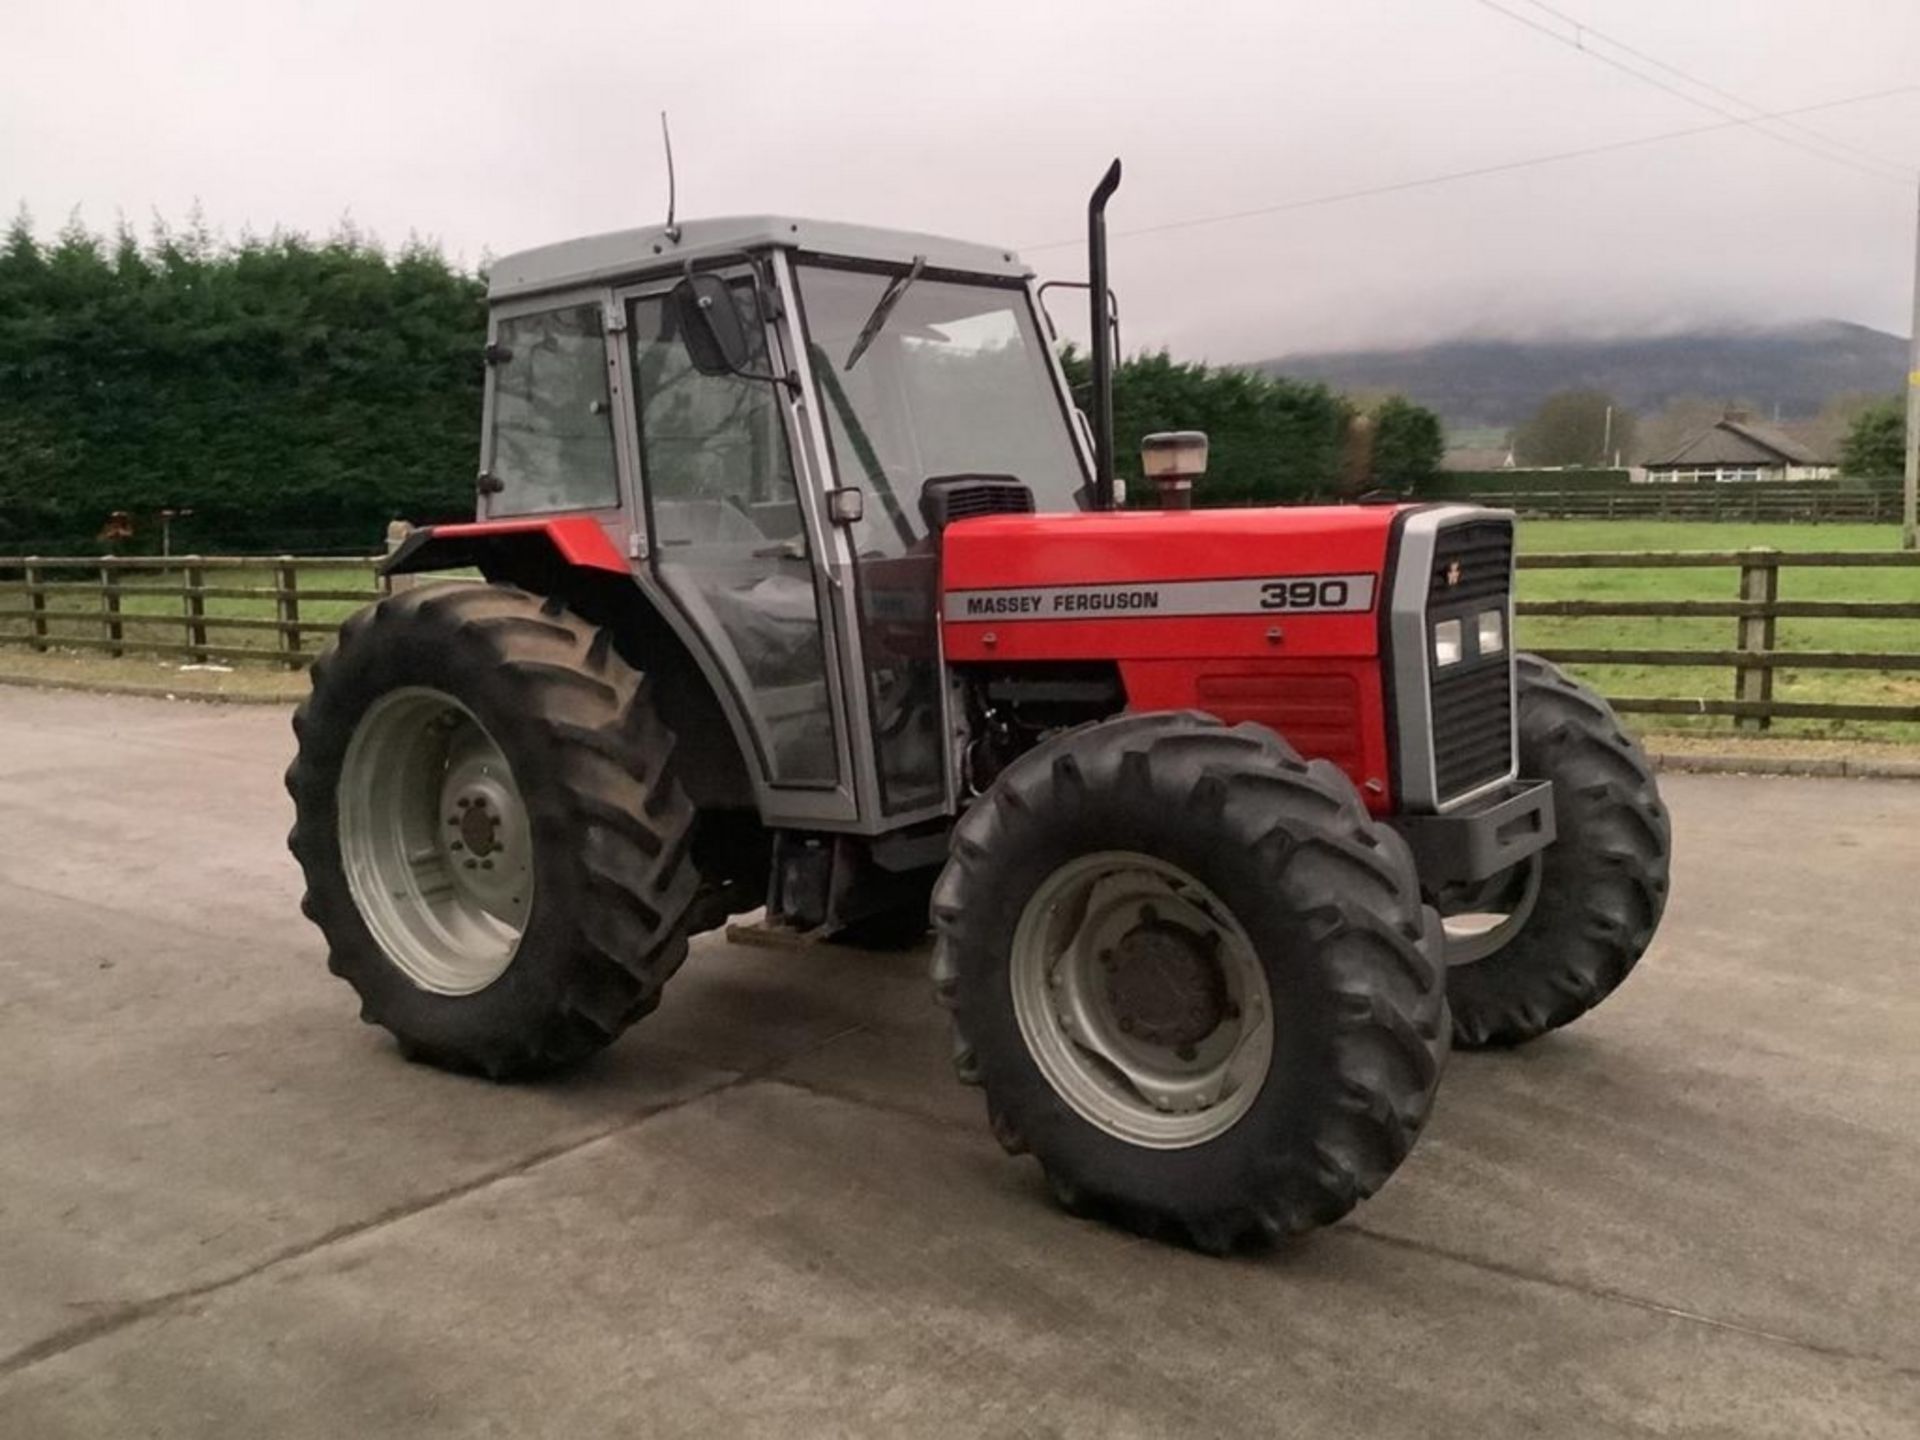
(1485, 920)
(1141, 1000)
(435, 841)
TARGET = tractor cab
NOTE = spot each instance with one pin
(767, 419)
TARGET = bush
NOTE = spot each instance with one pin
(1407, 444)
(1877, 442)
(294, 395)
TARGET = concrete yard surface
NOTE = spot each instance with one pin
(229, 1209)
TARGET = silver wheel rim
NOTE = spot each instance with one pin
(1487, 921)
(1141, 1000)
(435, 841)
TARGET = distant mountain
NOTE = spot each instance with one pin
(1796, 368)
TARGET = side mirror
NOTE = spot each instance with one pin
(709, 322)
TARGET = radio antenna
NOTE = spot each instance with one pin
(666, 138)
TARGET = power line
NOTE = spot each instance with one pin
(1339, 197)
(1877, 169)
(1575, 42)
(1582, 30)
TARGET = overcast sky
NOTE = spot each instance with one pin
(492, 126)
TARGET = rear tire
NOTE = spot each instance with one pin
(1275, 877)
(599, 926)
(1584, 910)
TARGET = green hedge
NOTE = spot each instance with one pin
(1270, 440)
(296, 396)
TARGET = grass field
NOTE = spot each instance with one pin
(1538, 632)
(1722, 583)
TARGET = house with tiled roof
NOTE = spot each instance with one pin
(1737, 447)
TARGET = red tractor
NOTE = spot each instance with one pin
(807, 590)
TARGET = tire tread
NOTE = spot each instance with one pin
(1608, 871)
(607, 762)
(1355, 889)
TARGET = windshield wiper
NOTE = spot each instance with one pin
(888, 299)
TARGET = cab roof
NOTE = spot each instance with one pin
(623, 254)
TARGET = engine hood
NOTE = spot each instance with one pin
(1150, 582)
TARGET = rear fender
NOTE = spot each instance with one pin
(572, 560)
(507, 545)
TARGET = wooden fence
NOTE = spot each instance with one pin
(69, 603)
(1755, 609)
(148, 606)
(1751, 503)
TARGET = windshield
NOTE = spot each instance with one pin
(954, 382)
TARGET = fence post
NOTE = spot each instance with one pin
(36, 602)
(397, 533)
(196, 612)
(287, 582)
(110, 624)
(1759, 583)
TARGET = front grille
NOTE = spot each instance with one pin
(1471, 704)
(1472, 729)
(1483, 551)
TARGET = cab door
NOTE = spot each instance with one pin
(728, 541)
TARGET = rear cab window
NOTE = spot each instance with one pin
(551, 441)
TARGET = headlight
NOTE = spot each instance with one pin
(1493, 632)
(1446, 643)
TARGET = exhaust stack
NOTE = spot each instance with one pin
(1102, 340)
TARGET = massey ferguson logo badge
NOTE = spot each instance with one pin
(1293, 594)
(1453, 574)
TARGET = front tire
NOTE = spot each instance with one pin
(1539, 946)
(1194, 978)
(495, 845)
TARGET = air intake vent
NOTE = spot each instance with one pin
(946, 498)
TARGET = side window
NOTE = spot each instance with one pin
(714, 447)
(553, 446)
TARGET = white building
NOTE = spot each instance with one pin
(1735, 447)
